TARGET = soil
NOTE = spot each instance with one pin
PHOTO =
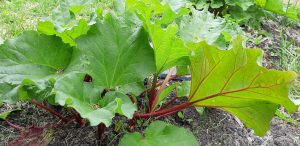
(212, 128)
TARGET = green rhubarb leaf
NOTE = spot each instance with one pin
(84, 97)
(119, 6)
(168, 48)
(1, 41)
(68, 31)
(231, 80)
(5, 114)
(8, 93)
(134, 88)
(39, 91)
(117, 52)
(216, 3)
(274, 6)
(261, 3)
(62, 18)
(176, 5)
(182, 70)
(155, 11)
(202, 4)
(69, 36)
(120, 103)
(203, 25)
(71, 90)
(160, 134)
(63, 22)
(277, 6)
(244, 4)
(31, 56)
(76, 5)
(183, 89)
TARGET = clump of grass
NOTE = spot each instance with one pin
(20, 15)
(290, 60)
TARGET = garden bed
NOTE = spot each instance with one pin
(213, 127)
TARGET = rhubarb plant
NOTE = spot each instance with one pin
(102, 69)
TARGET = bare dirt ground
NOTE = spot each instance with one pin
(213, 128)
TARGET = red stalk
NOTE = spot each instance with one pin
(132, 122)
(14, 125)
(101, 130)
(49, 110)
(152, 93)
(157, 85)
(162, 87)
(164, 112)
(78, 118)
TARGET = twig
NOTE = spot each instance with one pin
(15, 125)
(49, 110)
(78, 119)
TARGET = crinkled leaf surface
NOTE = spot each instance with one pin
(232, 80)
(69, 36)
(117, 55)
(244, 4)
(62, 18)
(72, 91)
(63, 24)
(202, 25)
(160, 134)
(39, 91)
(117, 52)
(176, 5)
(119, 103)
(76, 5)
(31, 56)
(155, 11)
